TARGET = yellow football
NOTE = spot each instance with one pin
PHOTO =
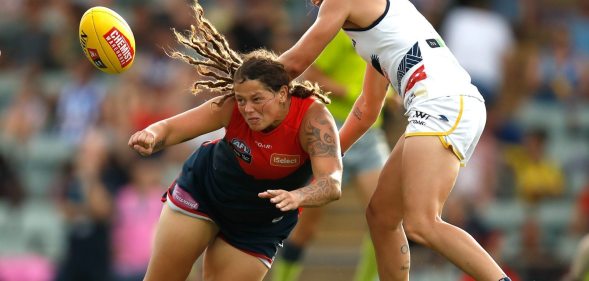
(107, 40)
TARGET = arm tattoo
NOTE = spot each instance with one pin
(357, 113)
(320, 192)
(320, 138)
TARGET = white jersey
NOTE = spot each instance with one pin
(403, 46)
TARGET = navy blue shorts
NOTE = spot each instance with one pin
(213, 187)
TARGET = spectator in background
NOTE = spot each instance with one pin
(27, 113)
(579, 24)
(80, 102)
(33, 40)
(137, 210)
(562, 69)
(30, 232)
(87, 202)
(480, 39)
(536, 176)
(260, 24)
(536, 259)
(580, 220)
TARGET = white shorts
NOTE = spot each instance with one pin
(457, 120)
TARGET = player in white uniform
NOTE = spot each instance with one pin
(446, 117)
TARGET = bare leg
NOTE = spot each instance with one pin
(429, 172)
(224, 262)
(179, 241)
(385, 215)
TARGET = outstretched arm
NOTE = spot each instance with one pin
(185, 126)
(330, 19)
(318, 135)
(366, 108)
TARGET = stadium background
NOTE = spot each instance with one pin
(77, 204)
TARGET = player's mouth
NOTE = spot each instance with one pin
(254, 120)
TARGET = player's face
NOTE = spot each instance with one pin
(262, 109)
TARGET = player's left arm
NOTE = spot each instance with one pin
(366, 109)
(319, 137)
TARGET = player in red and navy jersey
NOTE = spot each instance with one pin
(237, 197)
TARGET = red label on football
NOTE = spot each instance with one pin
(120, 45)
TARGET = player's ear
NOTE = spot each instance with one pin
(283, 94)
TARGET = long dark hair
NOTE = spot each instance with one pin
(226, 67)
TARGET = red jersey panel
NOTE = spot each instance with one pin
(274, 154)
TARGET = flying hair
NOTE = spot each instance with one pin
(217, 61)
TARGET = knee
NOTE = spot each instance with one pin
(379, 219)
(420, 229)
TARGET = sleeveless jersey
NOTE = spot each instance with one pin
(405, 48)
(274, 154)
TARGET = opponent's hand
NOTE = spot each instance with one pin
(145, 142)
(283, 200)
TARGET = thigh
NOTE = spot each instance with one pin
(223, 262)
(429, 173)
(386, 202)
(179, 241)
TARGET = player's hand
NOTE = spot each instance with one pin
(145, 142)
(282, 199)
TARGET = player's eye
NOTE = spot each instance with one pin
(240, 102)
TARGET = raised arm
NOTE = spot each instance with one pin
(185, 126)
(366, 108)
(330, 19)
(318, 135)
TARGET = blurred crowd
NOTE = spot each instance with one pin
(77, 204)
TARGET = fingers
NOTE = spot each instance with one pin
(282, 199)
(142, 142)
(265, 194)
(143, 151)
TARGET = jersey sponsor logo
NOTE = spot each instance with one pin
(419, 118)
(421, 115)
(411, 58)
(284, 160)
(263, 145)
(120, 45)
(241, 150)
(433, 43)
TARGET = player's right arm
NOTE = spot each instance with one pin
(318, 136)
(185, 126)
(330, 19)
